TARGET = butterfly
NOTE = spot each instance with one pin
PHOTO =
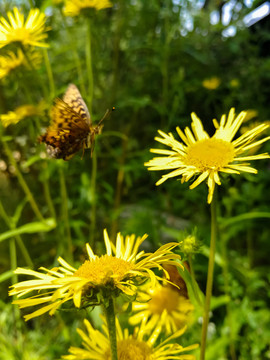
(71, 128)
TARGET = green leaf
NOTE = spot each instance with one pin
(30, 228)
(244, 217)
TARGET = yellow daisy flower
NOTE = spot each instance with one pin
(129, 346)
(74, 7)
(11, 61)
(161, 302)
(21, 112)
(29, 32)
(120, 270)
(211, 83)
(200, 154)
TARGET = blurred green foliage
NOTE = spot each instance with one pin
(150, 59)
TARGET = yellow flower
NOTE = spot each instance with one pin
(29, 32)
(161, 305)
(234, 83)
(120, 270)
(211, 83)
(200, 154)
(74, 7)
(11, 61)
(21, 112)
(137, 346)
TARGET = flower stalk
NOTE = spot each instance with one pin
(110, 317)
(23, 183)
(33, 68)
(88, 55)
(49, 73)
(64, 197)
(193, 281)
(210, 274)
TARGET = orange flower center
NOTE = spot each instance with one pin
(131, 349)
(103, 269)
(210, 154)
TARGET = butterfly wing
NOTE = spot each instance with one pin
(74, 99)
(67, 133)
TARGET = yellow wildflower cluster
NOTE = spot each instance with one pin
(211, 83)
(21, 112)
(137, 346)
(74, 7)
(11, 61)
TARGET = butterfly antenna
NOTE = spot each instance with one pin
(106, 115)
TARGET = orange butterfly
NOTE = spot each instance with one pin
(71, 128)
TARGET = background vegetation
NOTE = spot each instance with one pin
(150, 60)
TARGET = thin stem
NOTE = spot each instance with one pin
(76, 57)
(64, 198)
(193, 280)
(47, 192)
(12, 246)
(93, 213)
(88, 54)
(210, 275)
(226, 275)
(31, 3)
(32, 67)
(49, 73)
(119, 186)
(24, 251)
(13, 259)
(22, 182)
(110, 317)
(18, 238)
(80, 72)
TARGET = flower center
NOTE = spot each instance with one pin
(131, 349)
(20, 34)
(210, 154)
(103, 269)
(164, 298)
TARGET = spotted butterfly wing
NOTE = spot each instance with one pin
(71, 127)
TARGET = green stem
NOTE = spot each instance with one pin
(76, 57)
(88, 55)
(11, 226)
(93, 198)
(31, 3)
(49, 73)
(193, 280)
(64, 198)
(80, 72)
(24, 251)
(23, 183)
(13, 259)
(226, 277)
(47, 192)
(110, 317)
(32, 67)
(210, 275)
